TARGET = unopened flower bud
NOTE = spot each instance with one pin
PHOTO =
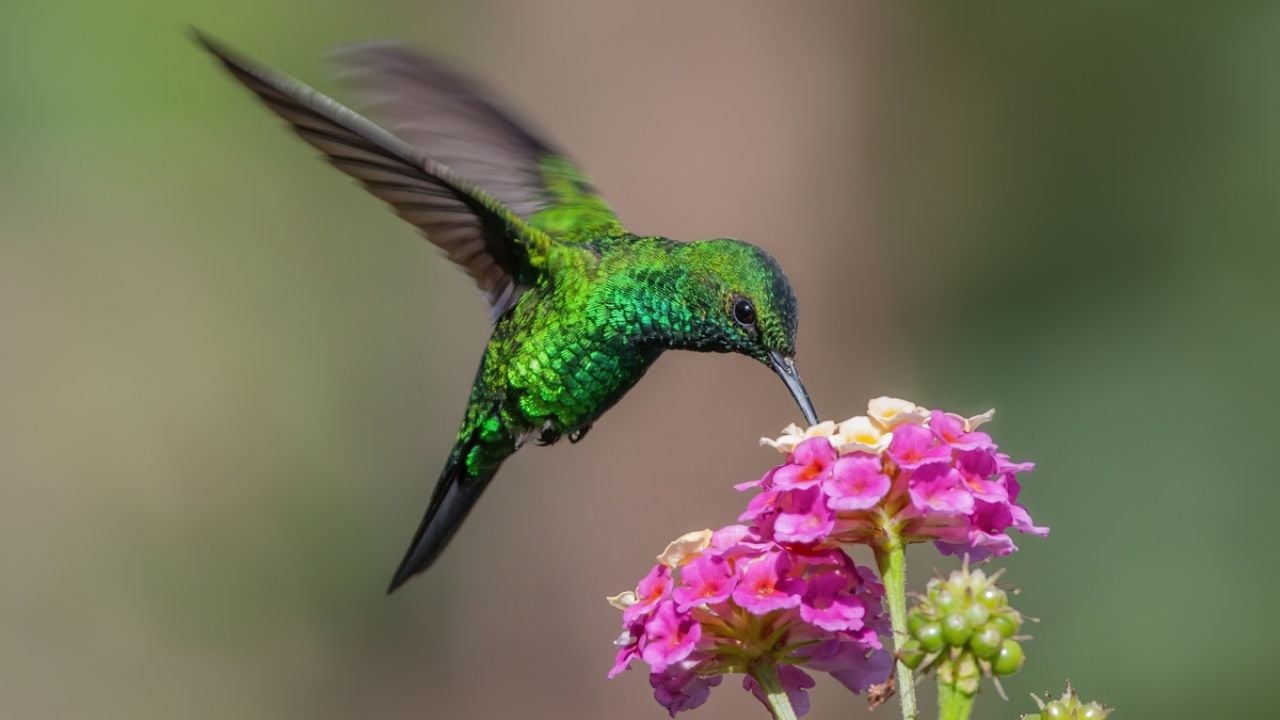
(1010, 659)
(964, 629)
(1067, 707)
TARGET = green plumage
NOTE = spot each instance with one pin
(581, 307)
(582, 336)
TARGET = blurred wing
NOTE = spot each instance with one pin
(444, 116)
(498, 249)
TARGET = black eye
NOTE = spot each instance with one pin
(745, 313)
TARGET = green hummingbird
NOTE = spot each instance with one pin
(580, 306)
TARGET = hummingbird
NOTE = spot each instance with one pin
(580, 307)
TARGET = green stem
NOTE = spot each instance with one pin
(953, 704)
(766, 673)
(892, 561)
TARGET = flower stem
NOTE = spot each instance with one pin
(892, 561)
(953, 703)
(766, 673)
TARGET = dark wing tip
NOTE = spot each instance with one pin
(210, 43)
(251, 73)
(239, 65)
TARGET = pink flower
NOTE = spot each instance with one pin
(742, 600)
(779, 591)
(951, 430)
(809, 465)
(765, 586)
(761, 506)
(653, 588)
(708, 579)
(681, 687)
(930, 473)
(802, 516)
(856, 482)
(670, 636)
(915, 445)
(628, 649)
(828, 604)
(1022, 522)
(940, 488)
(979, 470)
(856, 667)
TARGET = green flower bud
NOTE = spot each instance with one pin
(977, 615)
(1067, 707)
(992, 597)
(916, 619)
(912, 653)
(930, 637)
(1010, 659)
(946, 601)
(1007, 622)
(986, 642)
(956, 630)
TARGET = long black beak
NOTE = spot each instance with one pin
(786, 369)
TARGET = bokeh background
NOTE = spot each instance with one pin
(228, 378)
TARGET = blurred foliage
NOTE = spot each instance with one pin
(228, 378)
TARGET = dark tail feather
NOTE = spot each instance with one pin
(452, 499)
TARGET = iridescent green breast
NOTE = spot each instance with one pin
(564, 353)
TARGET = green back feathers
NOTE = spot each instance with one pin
(572, 211)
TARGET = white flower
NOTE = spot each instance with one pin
(622, 600)
(971, 424)
(685, 548)
(891, 412)
(860, 434)
(793, 435)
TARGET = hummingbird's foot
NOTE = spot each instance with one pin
(548, 435)
(578, 434)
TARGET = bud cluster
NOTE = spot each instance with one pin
(1067, 707)
(965, 629)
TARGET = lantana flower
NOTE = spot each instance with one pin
(922, 474)
(734, 601)
(792, 435)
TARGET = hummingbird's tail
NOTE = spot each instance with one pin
(456, 492)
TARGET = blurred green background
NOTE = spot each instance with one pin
(228, 378)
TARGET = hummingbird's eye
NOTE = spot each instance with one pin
(745, 313)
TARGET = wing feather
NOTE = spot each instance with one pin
(446, 116)
(500, 250)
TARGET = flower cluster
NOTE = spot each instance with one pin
(964, 628)
(735, 602)
(1067, 707)
(930, 474)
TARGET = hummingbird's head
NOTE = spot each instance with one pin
(751, 307)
